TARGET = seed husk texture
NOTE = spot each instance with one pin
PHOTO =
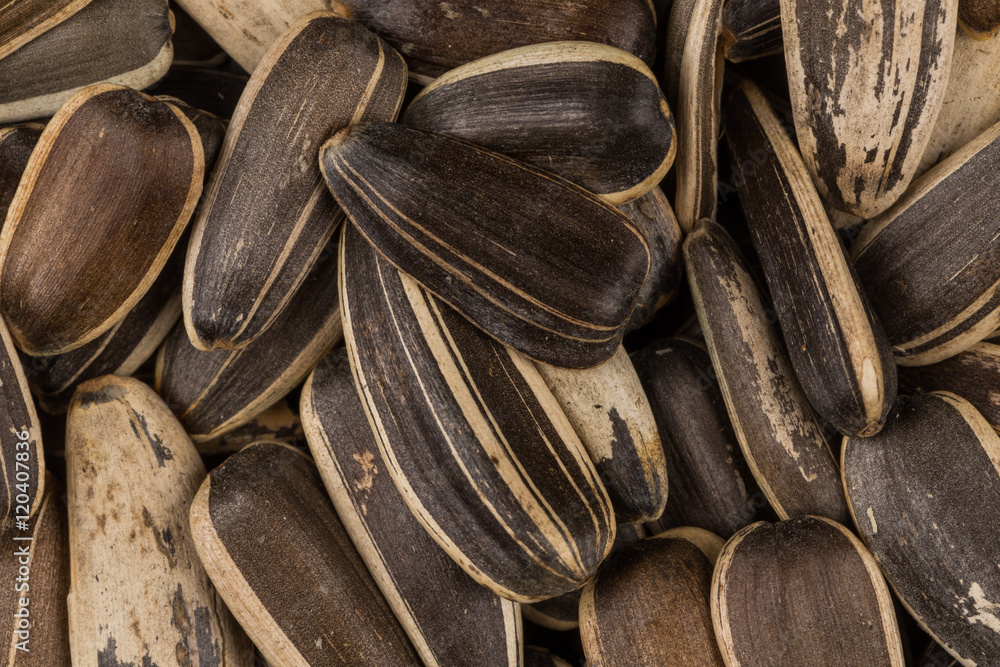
(751, 29)
(695, 61)
(801, 592)
(929, 265)
(979, 18)
(125, 42)
(111, 226)
(608, 409)
(649, 604)
(21, 22)
(711, 486)
(321, 607)
(778, 432)
(537, 262)
(511, 495)
(266, 215)
(973, 374)
(839, 351)
(451, 620)
(215, 392)
(866, 84)
(925, 495)
(134, 550)
(590, 113)
(16, 144)
(438, 36)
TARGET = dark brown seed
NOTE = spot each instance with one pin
(931, 263)
(654, 218)
(138, 592)
(211, 130)
(925, 496)
(119, 351)
(106, 195)
(537, 262)
(839, 351)
(213, 393)
(780, 436)
(125, 42)
(710, 484)
(24, 20)
(979, 18)
(42, 639)
(279, 556)
(608, 410)
(438, 36)
(16, 144)
(246, 29)
(866, 84)
(563, 612)
(649, 604)
(472, 437)
(974, 375)
(751, 29)
(450, 619)
(192, 45)
(694, 84)
(266, 214)
(804, 593)
(590, 113)
(278, 423)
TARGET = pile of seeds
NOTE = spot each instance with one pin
(500, 332)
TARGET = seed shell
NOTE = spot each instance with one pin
(979, 18)
(44, 549)
(866, 83)
(711, 486)
(213, 393)
(450, 619)
(653, 216)
(215, 91)
(110, 227)
(925, 497)
(649, 604)
(537, 262)
(125, 42)
(23, 21)
(439, 36)
(751, 29)
(590, 113)
(472, 437)
(265, 506)
(801, 592)
(780, 436)
(138, 592)
(931, 263)
(266, 215)
(839, 351)
(694, 65)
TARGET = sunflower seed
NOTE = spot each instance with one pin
(266, 505)
(780, 437)
(866, 82)
(537, 262)
(16, 144)
(21, 22)
(110, 226)
(751, 29)
(124, 42)
(925, 496)
(590, 113)
(266, 214)
(138, 591)
(472, 437)
(806, 593)
(839, 351)
(979, 18)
